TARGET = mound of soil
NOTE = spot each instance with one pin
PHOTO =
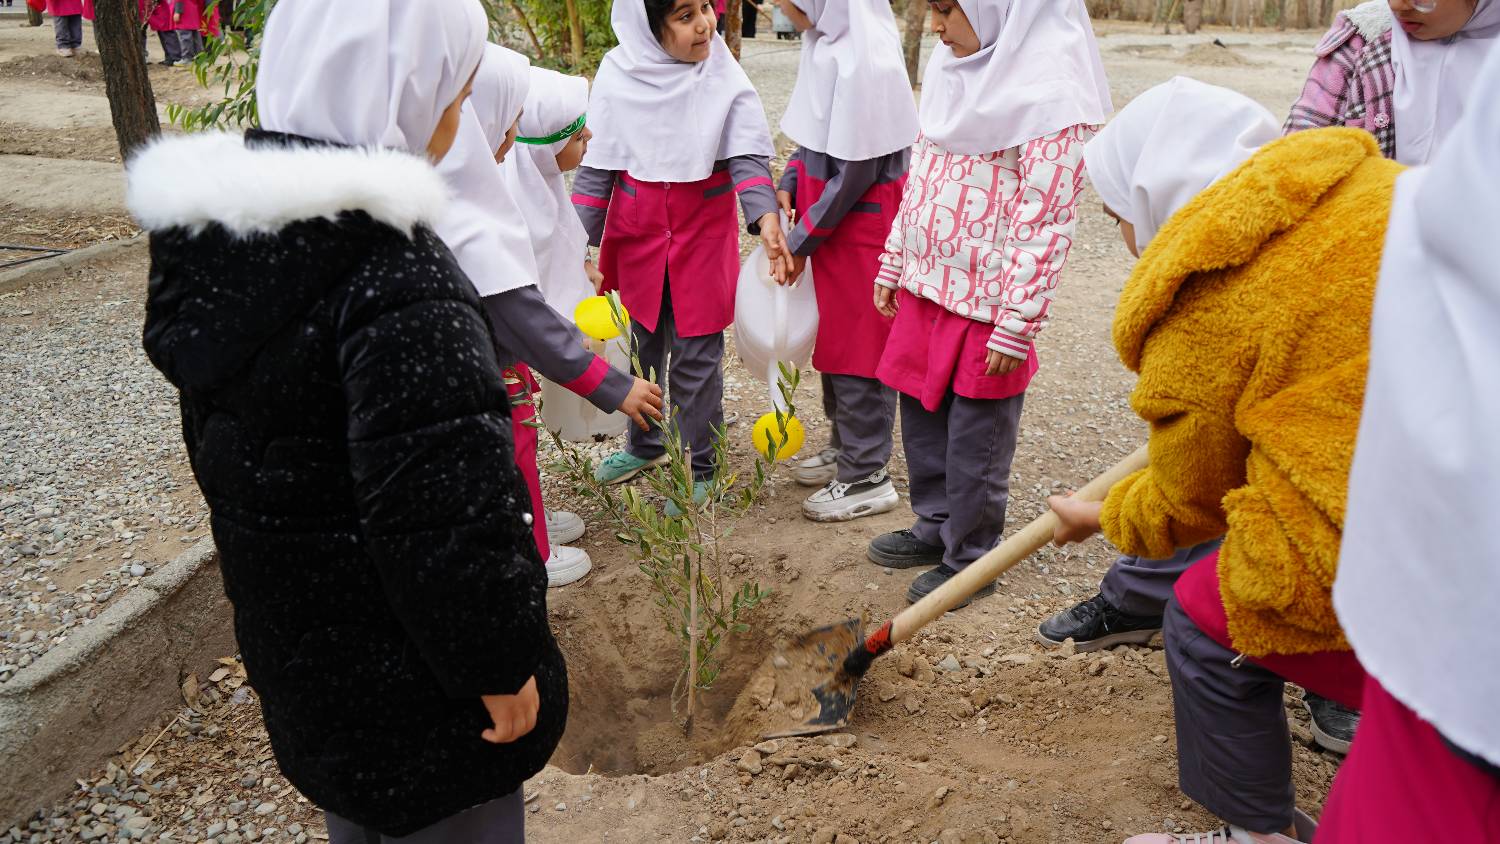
(84, 67)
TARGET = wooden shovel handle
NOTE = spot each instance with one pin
(1022, 544)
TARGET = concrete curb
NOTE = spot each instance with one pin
(66, 713)
(20, 277)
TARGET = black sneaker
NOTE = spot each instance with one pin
(1332, 724)
(927, 581)
(1096, 624)
(901, 549)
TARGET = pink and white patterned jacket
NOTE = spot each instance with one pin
(986, 236)
(1353, 80)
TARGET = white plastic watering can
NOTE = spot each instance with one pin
(773, 324)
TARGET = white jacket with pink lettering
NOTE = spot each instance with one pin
(986, 236)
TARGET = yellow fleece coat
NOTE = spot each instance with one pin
(1248, 319)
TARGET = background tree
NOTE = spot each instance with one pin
(916, 23)
(734, 18)
(132, 103)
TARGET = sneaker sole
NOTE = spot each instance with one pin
(912, 597)
(1329, 743)
(1134, 637)
(872, 507)
(660, 461)
(880, 558)
(563, 575)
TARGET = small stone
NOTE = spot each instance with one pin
(911, 704)
(1069, 647)
(137, 570)
(906, 663)
(767, 748)
(750, 762)
(561, 807)
(950, 836)
(265, 808)
(99, 809)
(1106, 824)
(26, 636)
(780, 661)
(979, 698)
(1159, 739)
(949, 664)
(843, 740)
(824, 836)
(938, 797)
(250, 780)
(138, 822)
(214, 829)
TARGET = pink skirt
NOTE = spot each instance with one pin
(1401, 783)
(525, 438)
(1336, 675)
(932, 350)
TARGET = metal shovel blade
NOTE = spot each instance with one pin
(815, 669)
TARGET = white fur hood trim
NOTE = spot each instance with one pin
(1372, 19)
(193, 181)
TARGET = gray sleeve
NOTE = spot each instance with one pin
(789, 175)
(592, 189)
(751, 177)
(526, 326)
(852, 181)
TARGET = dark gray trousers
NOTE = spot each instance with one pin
(958, 458)
(862, 414)
(500, 821)
(1234, 751)
(68, 31)
(1138, 586)
(690, 373)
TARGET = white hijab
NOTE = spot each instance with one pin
(1168, 145)
(1433, 80)
(484, 225)
(530, 172)
(1037, 72)
(1419, 574)
(381, 78)
(668, 121)
(853, 99)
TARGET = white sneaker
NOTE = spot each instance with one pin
(567, 565)
(563, 527)
(1306, 828)
(841, 502)
(821, 470)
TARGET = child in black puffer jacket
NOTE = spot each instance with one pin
(347, 423)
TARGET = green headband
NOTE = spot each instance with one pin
(572, 129)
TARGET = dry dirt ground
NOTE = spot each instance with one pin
(1015, 743)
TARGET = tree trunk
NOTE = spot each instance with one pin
(734, 17)
(536, 43)
(132, 104)
(916, 19)
(575, 29)
(1192, 16)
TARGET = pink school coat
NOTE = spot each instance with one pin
(851, 333)
(691, 227)
(64, 8)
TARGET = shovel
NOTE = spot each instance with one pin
(840, 654)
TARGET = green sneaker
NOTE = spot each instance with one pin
(700, 495)
(622, 466)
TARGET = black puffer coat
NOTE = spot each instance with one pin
(350, 430)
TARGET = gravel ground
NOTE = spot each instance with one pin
(94, 489)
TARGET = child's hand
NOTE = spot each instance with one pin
(885, 301)
(1076, 520)
(797, 264)
(773, 237)
(643, 401)
(596, 278)
(1000, 364)
(784, 199)
(514, 715)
